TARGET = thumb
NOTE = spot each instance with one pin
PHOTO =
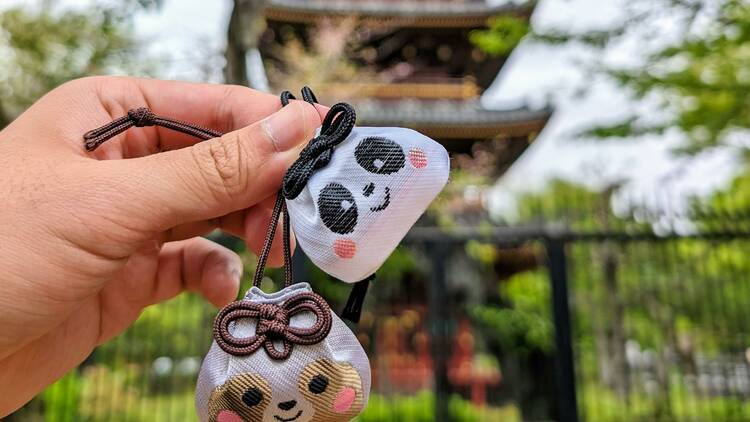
(215, 177)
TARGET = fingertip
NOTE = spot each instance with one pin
(322, 111)
(291, 126)
(221, 280)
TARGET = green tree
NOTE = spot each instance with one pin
(698, 74)
(44, 46)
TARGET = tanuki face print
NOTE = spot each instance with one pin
(326, 381)
(326, 391)
(355, 211)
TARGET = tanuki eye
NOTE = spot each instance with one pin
(252, 397)
(318, 384)
(379, 155)
(337, 208)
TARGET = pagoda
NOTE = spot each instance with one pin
(425, 72)
(414, 66)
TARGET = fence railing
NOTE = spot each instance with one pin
(542, 322)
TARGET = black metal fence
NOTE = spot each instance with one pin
(564, 323)
(647, 327)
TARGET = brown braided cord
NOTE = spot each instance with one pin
(273, 325)
(140, 117)
(279, 209)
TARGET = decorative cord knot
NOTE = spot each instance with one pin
(336, 127)
(142, 117)
(272, 320)
(272, 329)
(273, 325)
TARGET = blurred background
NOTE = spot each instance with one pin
(586, 262)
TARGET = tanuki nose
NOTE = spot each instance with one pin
(287, 404)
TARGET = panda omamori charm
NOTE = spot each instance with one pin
(305, 376)
(354, 211)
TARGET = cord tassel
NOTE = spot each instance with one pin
(353, 309)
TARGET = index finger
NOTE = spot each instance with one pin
(220, 107)
(91, 102)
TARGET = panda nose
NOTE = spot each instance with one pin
(287, 404)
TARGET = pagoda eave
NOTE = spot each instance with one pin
(509, 130)
(447, 119)
(407, 14)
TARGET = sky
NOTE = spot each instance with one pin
(541, 73)
(192, 33)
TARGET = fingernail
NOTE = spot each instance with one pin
(280, 127)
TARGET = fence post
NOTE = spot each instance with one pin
(438, 312)
(567, 405)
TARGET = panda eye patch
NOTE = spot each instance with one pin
(318, 384)
(252, 397)
(337, 208)
(379, 155)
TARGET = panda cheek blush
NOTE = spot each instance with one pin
(417, 158)
(228, 416)
(344, 248)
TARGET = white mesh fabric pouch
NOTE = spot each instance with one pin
(325, 381)
(283, 356)
(354, 211)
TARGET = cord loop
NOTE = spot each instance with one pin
(336, 127)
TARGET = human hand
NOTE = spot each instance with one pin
(87, 240)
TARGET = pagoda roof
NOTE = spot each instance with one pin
(452, 119)
(409, 13)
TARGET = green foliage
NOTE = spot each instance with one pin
(167, 329)
(100, 394)
(526, 324)
(61, 400)
(681, 405)
(502, 36)
(702, 79)
(44, 46)
(572, 205)
(420, 408)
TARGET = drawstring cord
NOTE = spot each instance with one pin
(140, 117)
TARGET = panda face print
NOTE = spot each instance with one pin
(381, 159)
(326, 391)
(355, 210)
(336, 204)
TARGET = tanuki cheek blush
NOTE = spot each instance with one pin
(344, 400)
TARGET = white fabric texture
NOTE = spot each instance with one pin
(340, 346)
(354, 211)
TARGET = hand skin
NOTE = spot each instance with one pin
(87, 240)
